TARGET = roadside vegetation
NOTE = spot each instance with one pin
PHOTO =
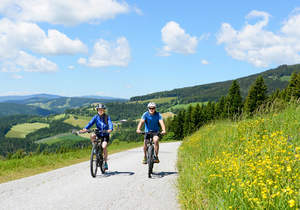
(250, 164)
(241, 154)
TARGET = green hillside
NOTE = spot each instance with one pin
(14, 109)
(274, 78)
(45, 106)
(249, 164)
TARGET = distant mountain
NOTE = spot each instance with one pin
(48, 103)
(25, 97)
(14, 109)
(274, 78)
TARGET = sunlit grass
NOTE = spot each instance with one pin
(21, 130)
(80, 121)
(251, 164)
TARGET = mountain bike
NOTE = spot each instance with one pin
(150, 150)
(97, 159)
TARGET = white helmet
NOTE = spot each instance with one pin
(151, 104)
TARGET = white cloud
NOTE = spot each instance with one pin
(18, 39)
(15, 36)
(108, 54)
(71, 67)
(17, 76)
(82, 61)
(24, 61)
(63, 12)
(261, 47)
(204, 62)
(177, 40)
(32, 64)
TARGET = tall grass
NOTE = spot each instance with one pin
(30, 165)
(250, 164)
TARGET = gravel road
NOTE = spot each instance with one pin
(124, 186)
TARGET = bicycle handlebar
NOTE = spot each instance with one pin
(150, 132)
(94, 130)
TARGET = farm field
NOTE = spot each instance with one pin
(21, 130)
(251, 164)
(156, 100)
(185, 106)
(80, 121)
(64, 137)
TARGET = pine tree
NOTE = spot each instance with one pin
(220, 108)
(293, 88)
(195, 118)
(257, 95)
(178, 125)
(297, 88)
(187, 127)
(234, 100)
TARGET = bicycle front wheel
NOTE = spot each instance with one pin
(150, 160)
(94, 161)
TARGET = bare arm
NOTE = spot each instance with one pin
(163, 127)
(138, 130)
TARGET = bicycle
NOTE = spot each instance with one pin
(150, 151)
(97, 159)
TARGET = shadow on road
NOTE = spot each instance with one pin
(114, 173)
(162, 174)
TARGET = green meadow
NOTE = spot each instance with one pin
(80, 121)
(21, 130)
(64, 137)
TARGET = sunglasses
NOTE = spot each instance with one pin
(151, 107)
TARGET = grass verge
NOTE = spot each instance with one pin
(251, 164)
(31, 165)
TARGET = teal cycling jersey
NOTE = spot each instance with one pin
(152, 121)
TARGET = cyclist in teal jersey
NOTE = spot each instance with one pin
(152, 120)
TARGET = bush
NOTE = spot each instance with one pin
(169, 136)
(116, 142)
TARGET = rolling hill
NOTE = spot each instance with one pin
(16, 109)
(274, 78)
(45, 104)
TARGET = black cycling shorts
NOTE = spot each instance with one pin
(104, 138)
(147, 136)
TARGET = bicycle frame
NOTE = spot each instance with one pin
(97, 159)
(150, 151)
(96, 153)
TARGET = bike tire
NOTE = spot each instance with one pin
(150, 160)
(94, 161)
(101, 161)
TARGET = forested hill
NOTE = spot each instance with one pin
(15, 109)
(274, 78)
(45, 106)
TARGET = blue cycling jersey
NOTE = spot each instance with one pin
(100, 124)
(152, 121)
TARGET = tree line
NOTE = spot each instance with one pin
(233, 106)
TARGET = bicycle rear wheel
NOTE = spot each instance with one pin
(94, 161)
(150, 160)
(101, 161)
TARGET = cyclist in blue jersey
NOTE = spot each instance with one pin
(105, 126)
(152, 120)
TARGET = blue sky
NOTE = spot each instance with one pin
(130, 48)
